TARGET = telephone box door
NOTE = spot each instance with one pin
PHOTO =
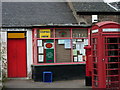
(112, 61)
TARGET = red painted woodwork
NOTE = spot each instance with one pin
(105, 53)
(88, 60)
(17, 58)
(35, 50)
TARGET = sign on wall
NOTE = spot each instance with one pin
(44, 33)
(16, 35)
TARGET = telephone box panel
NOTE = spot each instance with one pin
(105, 50)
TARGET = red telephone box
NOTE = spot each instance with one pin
(105, 51)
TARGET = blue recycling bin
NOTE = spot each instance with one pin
(47, 76)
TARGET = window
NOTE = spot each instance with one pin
(59, 45)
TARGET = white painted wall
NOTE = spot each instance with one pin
(3, 51)
(29, 49)
(29, 52)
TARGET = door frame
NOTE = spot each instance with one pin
(25, 51)
(29, 49)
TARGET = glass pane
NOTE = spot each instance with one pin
(95, 71)
(94, 59)
(95, 84)
(113, 59)
(94, 47)
(112, 72)
(112, 53)
(112, 40)
(62, 33)
(94, 65)
(79, 33)
(94, 41)
(112, 46)
(110, 79)
(113, 66)
(45, 51)
(94, 53)
(45, 33)
(78, 50)
(63, 54)
(96, 78)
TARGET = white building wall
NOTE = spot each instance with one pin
(29, 50)
(3, 53)
(29, 53)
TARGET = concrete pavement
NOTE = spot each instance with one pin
(55, 84)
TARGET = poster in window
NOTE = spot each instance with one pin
(40, 50)
(49, 45)
(61, 41)
(40, 58)
(74, 52)
(67, 44)
(39, 42)
(45, 33)
(85, 41)
(75, 59)
(80, 59)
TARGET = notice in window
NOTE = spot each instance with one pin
(80, 59)
(67, 44)
(74, 52)
(39, 42)
(75, 59)
(40, 50)
(40, 58)
(45, 33)
(61, 41)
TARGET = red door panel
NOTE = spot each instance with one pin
(17, 58)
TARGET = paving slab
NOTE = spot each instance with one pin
(55, 84)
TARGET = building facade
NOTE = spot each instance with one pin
(43, 36)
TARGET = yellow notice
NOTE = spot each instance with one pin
(16, 35)
(44, 33)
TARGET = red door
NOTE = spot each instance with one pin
(17, 57)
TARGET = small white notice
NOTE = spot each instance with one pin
(67, 44)
(40, 58)
(85, 41)
(75, 59)
(61, 41)
(40, 50)
(39, 42)
(80, 59)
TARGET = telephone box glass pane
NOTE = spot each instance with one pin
(94, 65)
(95, 84)
(94, 59)
(112, 72)
(113, 66)
(112, 46)
(94, 41)
(112, 53)
(95, 71)
(113, 59)
(96, 78)
(112, 40)
(114, 78)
